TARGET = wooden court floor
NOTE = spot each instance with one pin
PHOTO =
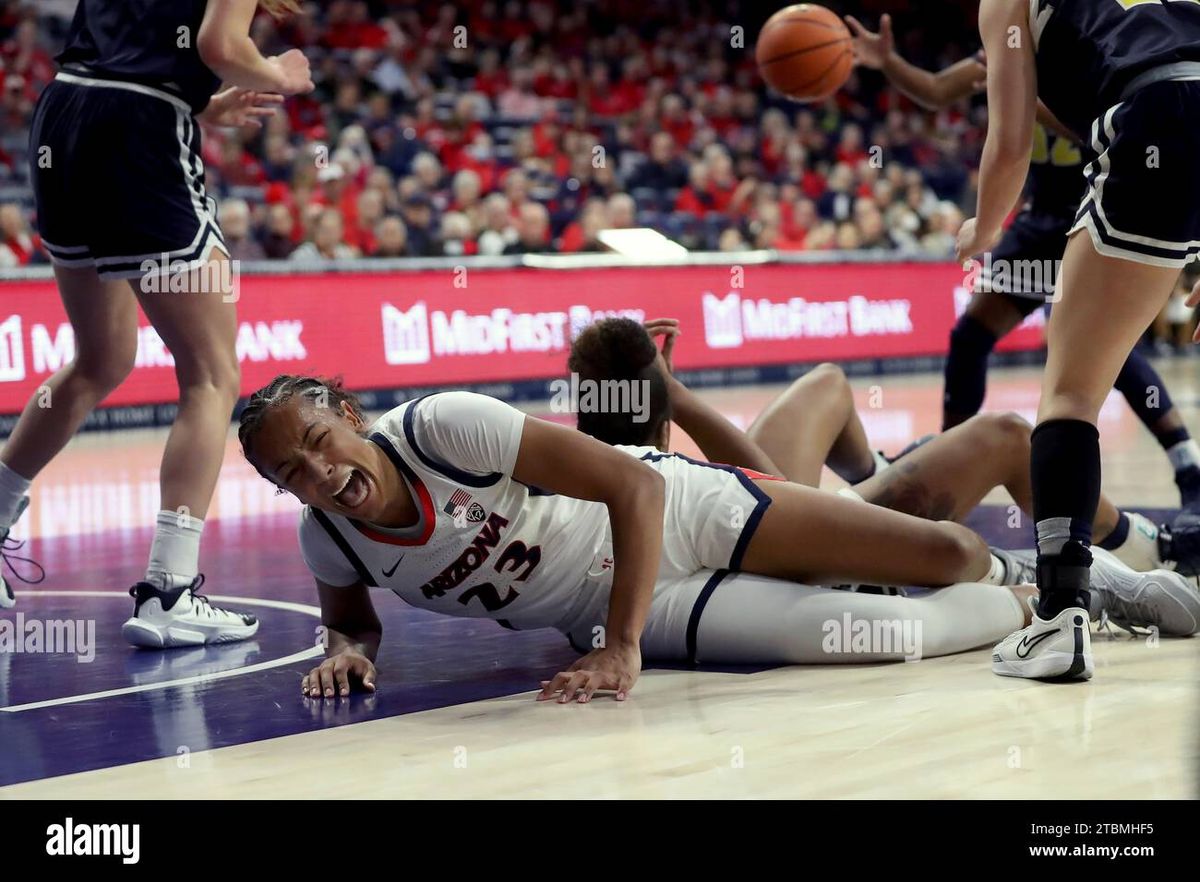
(937, 728)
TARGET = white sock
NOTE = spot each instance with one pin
(1185, 454)
(13, 488)
(1139, 551)
(996, 573)
(175, 551)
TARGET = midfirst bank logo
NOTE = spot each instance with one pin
(417, 334)
(732, 320)
(52, 346)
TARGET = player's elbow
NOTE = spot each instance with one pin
(216, 47)
(641, 485)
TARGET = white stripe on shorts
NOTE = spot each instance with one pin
(77, 80)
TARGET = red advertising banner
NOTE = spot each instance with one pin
(448, 327)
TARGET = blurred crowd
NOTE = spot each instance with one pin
(489, 127)
(516, 126)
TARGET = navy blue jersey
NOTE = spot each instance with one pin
(1056, 182)
(152, 42)
(1089, 50)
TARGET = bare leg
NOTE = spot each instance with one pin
(1107, 304)
(951, 474)
(200, 330)
(807, 535)
(814, 423)
(104, 318)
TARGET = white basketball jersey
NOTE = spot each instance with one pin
(485, 545)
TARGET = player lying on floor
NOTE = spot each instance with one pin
(813, 423)
(463, 505)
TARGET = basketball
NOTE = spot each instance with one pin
(804, 52)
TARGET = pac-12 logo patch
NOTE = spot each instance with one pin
(475, 513)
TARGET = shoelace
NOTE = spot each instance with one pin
(10, 545)
(1106, 621)
(198, 598)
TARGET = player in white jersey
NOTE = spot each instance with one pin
(462, 505)
(813, 424)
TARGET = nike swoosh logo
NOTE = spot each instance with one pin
(387, 574)
(1027, 644)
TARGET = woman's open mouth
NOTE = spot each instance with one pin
(354, 492)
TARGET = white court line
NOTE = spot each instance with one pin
(311, 652)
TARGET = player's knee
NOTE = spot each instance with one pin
(104, 370)
(957, 550)
(831, 379)
(217, 372)
(1001, 431)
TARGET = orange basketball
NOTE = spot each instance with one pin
(804, 52)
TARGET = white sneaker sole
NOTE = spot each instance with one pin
(140, 632)
(1049, 665)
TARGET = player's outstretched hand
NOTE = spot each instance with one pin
(871, 49)
(611, 668)
(237, 108)
(336, 675)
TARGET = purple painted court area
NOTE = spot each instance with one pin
(426, 661)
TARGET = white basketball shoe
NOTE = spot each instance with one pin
(163, 619)
(1159, 600)
(1056, 649)
(8, 547)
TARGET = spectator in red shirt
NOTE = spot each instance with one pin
(491, 78)
(675, 119)
(581, 235)
(369, 212)
(24, 56)
(850, 149)
(239, 168)
(695, 198)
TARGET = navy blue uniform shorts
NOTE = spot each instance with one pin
(1143, 198)
(118, 180)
